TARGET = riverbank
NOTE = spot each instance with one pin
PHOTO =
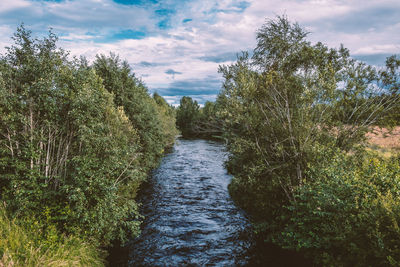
(23, 244)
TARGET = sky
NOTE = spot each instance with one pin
(176, 46)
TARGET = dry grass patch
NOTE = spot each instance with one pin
(386, 141)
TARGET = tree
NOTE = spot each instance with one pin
(391, 81)
(196, 121)
(187, 116)
(209, 124)
(290, 96)
(130, 93)
(69, 157)
(167, 118)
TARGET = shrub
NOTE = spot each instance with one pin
(349, 215)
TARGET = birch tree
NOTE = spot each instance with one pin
(284, 102)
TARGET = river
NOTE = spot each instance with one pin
(190, 219)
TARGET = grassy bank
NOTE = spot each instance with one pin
(24, 243)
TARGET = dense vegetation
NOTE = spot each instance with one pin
(195, 121)
(25, 244)
(76, 141)
(295, 117)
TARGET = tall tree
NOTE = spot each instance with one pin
(289, 97)
(167, 118)
(68, 156)
(131, 94)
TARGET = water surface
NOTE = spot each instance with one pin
(190, 219)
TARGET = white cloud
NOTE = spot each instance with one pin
(9, 5)
(76, 37)
(378, 49)
(216, 27)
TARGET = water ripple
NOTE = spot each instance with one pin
(190, 219)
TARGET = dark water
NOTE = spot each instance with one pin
(190, 219)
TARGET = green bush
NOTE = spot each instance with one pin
(349, 215)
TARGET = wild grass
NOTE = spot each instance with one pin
(22, 244)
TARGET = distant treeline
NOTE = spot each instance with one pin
(195, 121)
(76, 141)
(295, 116)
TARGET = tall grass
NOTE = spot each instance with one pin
(24, 244)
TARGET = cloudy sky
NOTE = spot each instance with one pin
(176, 46)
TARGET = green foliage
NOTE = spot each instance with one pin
(74, 147)
(288, 97)
(281, 109)
(349, 215)
(391, 80)
(194, 121)
(141, 109)
(187, 115)
(65, 147)
(209, 124)
(167, 118)
(23, 243)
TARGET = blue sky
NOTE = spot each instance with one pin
(176, 46)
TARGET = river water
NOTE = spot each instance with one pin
(190, 219)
